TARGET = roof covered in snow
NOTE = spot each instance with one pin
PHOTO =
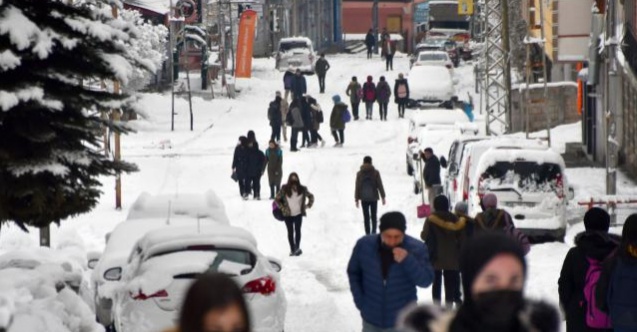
(157, 6)
(207, 205)
(494, 155)
(438, 116)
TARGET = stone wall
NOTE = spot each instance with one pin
(561, 105)
(628, 127)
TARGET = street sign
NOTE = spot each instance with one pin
(465, 7)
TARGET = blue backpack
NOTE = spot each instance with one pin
(347, 117)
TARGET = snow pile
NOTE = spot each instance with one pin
(206, 205)
(37, 293)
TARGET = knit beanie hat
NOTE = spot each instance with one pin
(490, 200)
(394, 220)
(336, 99)
(597, 219)
(441, 203)
(479, 251)
(461, 207)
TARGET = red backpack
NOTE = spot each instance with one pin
(369, 92)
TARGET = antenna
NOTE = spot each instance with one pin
(169, 212)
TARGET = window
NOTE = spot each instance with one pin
(527, 175)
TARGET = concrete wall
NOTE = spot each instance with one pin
(561, 103)
(357, 17)
(628, 124)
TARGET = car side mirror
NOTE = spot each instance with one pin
(276, 264)
(443, 162)
(92, 258)
(571, 193)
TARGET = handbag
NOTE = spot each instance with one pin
(276, 212)
(234, 176)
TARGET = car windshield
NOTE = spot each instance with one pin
(291, 45)
(432, 57)
(529, 176)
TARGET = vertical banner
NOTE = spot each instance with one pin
(245, 44)
(465, 7)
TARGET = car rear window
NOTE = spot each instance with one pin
(224, 255)
(432, 57)
(286, 46)
(529, 176)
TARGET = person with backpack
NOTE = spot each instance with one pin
(444, 234)
(616, 293)
(369, 96)
(240, 166)
(390, 50)
(370, 41)
(401, 94)
(274, 163)
(275, 117)
(581, 271)
(317, 119)
(256, 163)
(383, 93)
(338, 118)
(294, 199)
(369, 189)
(288, 81)
(354, 92)
(493, 219)
(321, 67)
(295, 120)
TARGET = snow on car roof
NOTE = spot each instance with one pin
(206, 205)
(438, 116)
(296, 39)
(429, 74)
(509, 141)
(494, 155)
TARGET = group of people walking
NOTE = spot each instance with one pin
(370, 93)
(388, 47)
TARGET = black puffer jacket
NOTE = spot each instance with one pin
(431, 174)
(595, 245)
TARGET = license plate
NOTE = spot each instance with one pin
(295, 63)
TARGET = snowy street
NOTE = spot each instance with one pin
(315, 283)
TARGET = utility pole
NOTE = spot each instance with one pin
(612, 86)
(117, 115)
(375, 25)
(545, 96)
(171, 60)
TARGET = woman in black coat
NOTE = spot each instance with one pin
(240, 166)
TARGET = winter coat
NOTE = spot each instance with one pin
(256, 162)
(288, 80)
(354, 91)
(299, 86)
(537, 317)
(493, 219)
(431, 174)
(240, 161)
(274, 113)
(274, 160)
(315, 109)
(284, 110)
(321, 67)
(388, 46)
(336, 118)
(398, 83)
(370, 40)
(572, 279)
(616, 293)
(380, 300)
(306, 114)
(368, 171)
(383, 92)
(369, 92)
(297, 117)
(444, 233)
(281, 200)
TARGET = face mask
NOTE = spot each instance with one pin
(498, 310)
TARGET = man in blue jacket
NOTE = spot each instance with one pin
(385, 270)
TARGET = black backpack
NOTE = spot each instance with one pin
(319, 116)
(368, 188)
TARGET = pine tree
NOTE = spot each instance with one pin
(50, 129)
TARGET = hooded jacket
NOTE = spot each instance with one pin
(369, 90)
(444, 233)
(240, 161)
(354, 91)
(297, 116)
(368, 170)
(381, 300)
(274, 112)
(336, 118)
(596, 245)
(299, 85)
(431, 174)
(383, 92)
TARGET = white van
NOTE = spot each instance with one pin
(531, 186)
(456, 152)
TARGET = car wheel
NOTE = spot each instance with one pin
(410, 170)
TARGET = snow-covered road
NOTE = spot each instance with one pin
(316, 282)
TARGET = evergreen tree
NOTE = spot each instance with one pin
(50, 126)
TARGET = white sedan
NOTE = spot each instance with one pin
(166, 261)
(430, 85)
(434, 58)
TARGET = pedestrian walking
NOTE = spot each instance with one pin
(256, 163)
(337, 121)
(616, 293)
(383, 94)
(214, 302)
(369, 96)
(274, 161)
(306, 114)
(317, 119)
(295, 120)
(370, 41)
(581, 271)
(284, 114)
(493, 219)
(384, 36)
(461, 210)
(431, 174)
(401, 94)
(321, 68)
(390, 50)
(299, 85)
(445, 233)
(369, 189)
(493, 272)
(384, 271)
(252, 138)
(240, 166)
(294, 199)
(288, 81)
(354, 92)
(275, 117)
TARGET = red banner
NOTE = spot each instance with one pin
(245, 44)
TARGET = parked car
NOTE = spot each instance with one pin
(149, 212)
(530, 184)
(430, 86)
(434, 58)
(437, 116)
(428, 45)
(454, 158)
(164, 263)
(295, 52)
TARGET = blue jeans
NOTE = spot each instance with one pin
(367, 327)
